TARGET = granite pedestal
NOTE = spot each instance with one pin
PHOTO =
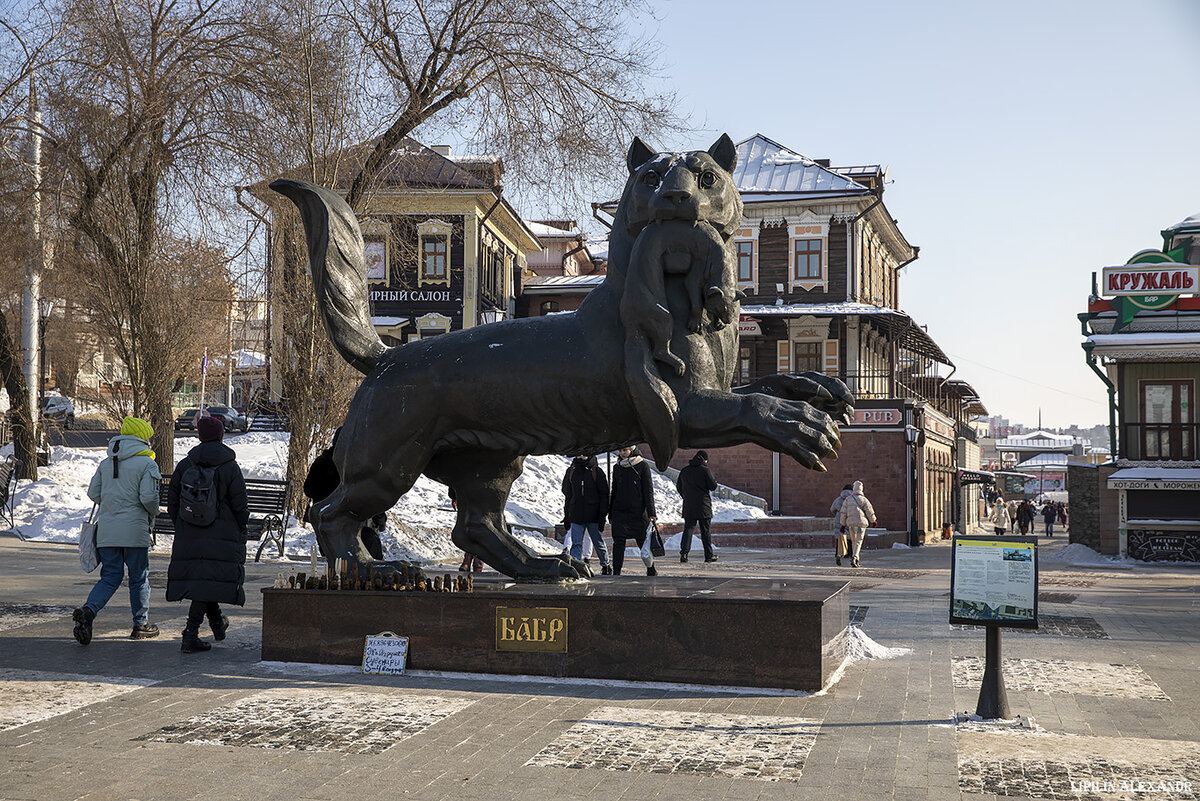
(740, 631)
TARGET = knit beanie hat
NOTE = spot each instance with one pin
(137, 427)
(210, 429)
(703, 455)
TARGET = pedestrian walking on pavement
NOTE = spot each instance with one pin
(1025, 516)
(125, 488)
(840, 543)
(631, 507)
(694, 483)
(1049, 515)
(856, 515)
(208, 560)
(586, 489)
(1000, 519)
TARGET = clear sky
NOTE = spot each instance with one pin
(1029, 144)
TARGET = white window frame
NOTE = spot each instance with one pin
(377, 233)
(808, 227)
(428, 230)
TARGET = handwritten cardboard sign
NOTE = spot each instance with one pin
(385, 654)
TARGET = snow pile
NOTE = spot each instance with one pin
(52, 508)
(1079, 554)
(859, 646)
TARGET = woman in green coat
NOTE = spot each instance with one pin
(125, 486)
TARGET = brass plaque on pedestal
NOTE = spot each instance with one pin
(537, 629)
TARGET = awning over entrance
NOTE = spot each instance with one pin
(1158, 478)
(975, 477)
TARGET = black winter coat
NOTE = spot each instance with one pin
(586, 489)
(694, 483)
(632, 503)
(208, 563)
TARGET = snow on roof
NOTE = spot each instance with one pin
(1145, 338)
(387, 322)
(1157, 474)
(1038, 441)
(243, 360)
(767, 166)
(1185, 224)
(552, 231)
(820, 308)
(1042, 460)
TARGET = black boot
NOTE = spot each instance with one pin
(146, 631)
(192, 644)
(683, 557)
(219, 626)
(83, 617)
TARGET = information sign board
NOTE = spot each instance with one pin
(993, 580)
(385, 654)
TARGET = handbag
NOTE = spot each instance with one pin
(657, 548)
(89, 554)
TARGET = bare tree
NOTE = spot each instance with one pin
(150, 101)
(555, 89)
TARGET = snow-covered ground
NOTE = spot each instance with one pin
(52, 508)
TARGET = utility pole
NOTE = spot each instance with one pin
(30, 358)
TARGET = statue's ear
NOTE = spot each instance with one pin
(724, 153)
(639, 154)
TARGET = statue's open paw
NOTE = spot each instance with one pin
(805, 433)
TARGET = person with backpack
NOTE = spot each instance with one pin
(125, 487)
(206, 500)
(586, 489)
(694, 482)
(631, 508)
(856, 515)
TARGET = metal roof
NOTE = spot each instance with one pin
(556, 284)
(767, 166)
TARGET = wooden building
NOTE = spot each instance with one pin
(1142, 338)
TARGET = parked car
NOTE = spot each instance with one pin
(187, 420)
(230, 417)
(58, 410)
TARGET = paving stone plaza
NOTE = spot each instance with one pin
(1106, 690)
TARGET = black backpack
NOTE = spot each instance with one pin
(198, 495)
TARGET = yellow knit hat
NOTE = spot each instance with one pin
(137, 427)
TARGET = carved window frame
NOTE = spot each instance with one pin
(377, 235)
(430, 325)
(807, 228)
(747, 234)
(433, 230)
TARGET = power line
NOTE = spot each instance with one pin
(1026, 380)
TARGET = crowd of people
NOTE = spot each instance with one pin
(1020, 517)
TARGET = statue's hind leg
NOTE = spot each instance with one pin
(481, 482)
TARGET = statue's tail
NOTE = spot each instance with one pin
(335, 256)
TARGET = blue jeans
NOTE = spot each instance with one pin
(113, 562)
(593, 531)
(1050, 528)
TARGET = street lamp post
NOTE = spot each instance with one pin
(45, 307)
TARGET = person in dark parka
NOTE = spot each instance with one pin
(586, 489)
(208, 563)
(631, 508)
(694, 483)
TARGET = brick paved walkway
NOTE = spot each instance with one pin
(1108, 690)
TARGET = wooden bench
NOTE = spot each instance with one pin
(267, 501)
(8, 489)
